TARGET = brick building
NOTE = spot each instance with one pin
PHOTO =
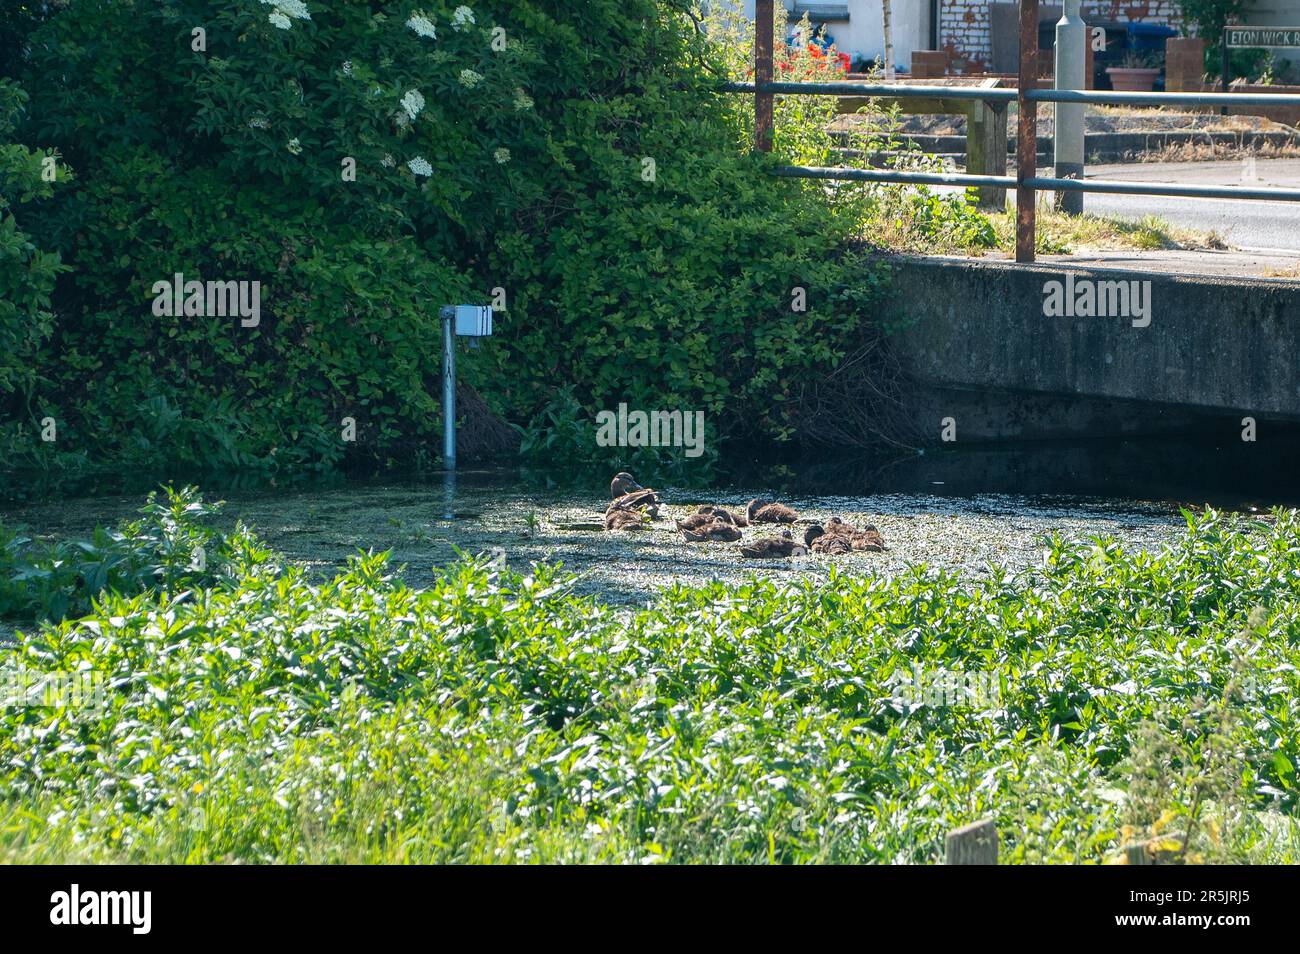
(979, 36)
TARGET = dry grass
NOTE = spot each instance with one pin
(1209, 151)
(1060, 234)
(1291, 271)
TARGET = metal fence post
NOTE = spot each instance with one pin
(1026, 131)
(1225, 66)
(1068, 138)
(763, 102)
(448, 388)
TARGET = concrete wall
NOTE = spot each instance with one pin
(1213, 346)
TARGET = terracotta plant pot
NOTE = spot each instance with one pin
(1126, 80)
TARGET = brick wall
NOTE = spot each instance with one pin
(964, 33)
(965, 25)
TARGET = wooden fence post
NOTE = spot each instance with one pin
(986, 147)
(1026, 131)
(974, 844)
(763, 102)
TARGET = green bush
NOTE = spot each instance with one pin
(478, 166)
(27, 274)
(171, 547)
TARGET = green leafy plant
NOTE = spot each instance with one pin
(170, 547)
(498, 716)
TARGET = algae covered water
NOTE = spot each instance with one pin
(961, 512)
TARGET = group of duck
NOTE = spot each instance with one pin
(631, 505)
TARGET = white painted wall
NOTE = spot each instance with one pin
(862, 34)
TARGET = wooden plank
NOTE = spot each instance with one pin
(1026, 131)
(764, 118)
(974, 844)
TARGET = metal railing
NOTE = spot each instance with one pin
(1027, 96)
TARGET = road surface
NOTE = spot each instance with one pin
(1242, 223)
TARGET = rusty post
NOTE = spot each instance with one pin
(1026, 131)
(764, 21)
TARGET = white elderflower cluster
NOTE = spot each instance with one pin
(502, 156)
(522, 100)
(470, 79)
(388, 161)
(420, 166)
(284, 9)
(462, 18)
(413, 102)
(294, 146)
(422, 26)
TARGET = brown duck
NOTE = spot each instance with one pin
(715, 529)
(708, 514)
(624, 519)
(867, 538)
(629, 500)
(774, 548)
(833, 544)
(768, 511)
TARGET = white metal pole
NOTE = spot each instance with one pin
(1068, 140)
(448, 389)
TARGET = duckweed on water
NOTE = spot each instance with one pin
(503, 717)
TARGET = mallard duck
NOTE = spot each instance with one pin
(768, 511)
(774, 548)
(820, 541)
(712, 528)
(624, 520)
(868, 538)
(706, 515)
(627, 496)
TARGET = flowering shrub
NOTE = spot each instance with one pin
(366, 163)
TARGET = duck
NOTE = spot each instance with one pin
(708, 514)
(630, 498)
(832, 544)
(867, 538)
(775, 548)
(624, 519)
(768, 511)
(715, 529)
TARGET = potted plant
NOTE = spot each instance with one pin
(1136, 73)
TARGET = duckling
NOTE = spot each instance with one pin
(715, 529)
(706, 515)
(768, 511)
(868, 538)
(774, 548)
(819, 540)
(624, 520)
(627, 495)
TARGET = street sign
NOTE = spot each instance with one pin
(1262, 37)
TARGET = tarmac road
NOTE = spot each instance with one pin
(1242, 223)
